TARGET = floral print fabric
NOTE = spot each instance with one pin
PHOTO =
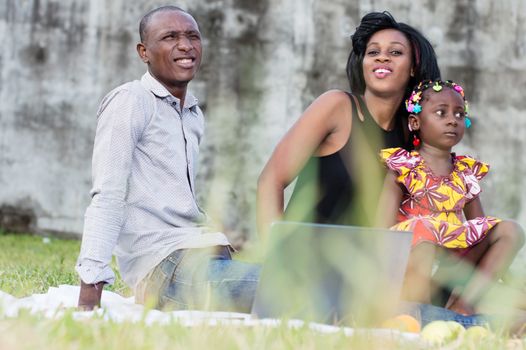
(432, 206)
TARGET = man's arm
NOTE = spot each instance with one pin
(120, 122)
(90, 295)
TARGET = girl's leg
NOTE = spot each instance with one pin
(417, 280)
(491, 258)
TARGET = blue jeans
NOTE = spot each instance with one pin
(427, 313)
(202, 279)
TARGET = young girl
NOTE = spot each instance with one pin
(428, 190)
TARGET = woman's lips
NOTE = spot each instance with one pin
(381, 73)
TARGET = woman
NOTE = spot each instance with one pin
(333, 147)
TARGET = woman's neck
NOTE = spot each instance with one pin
(383, 109)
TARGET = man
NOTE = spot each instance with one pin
(143, 206)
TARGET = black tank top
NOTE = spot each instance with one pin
(344, 187)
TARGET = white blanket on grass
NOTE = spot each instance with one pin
(118, 309)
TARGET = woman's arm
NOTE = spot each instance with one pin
(321, 130)
(389, 203)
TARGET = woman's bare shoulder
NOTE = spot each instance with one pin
(335, 97)
(336, 110)
(331, 105)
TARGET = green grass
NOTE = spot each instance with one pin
(29, 265)
(67, 333)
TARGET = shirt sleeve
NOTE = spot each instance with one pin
(121, 119)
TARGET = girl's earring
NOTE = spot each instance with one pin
(416, 141)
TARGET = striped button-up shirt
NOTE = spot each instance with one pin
(143, 204)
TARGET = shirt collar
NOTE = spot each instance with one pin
(158, 89)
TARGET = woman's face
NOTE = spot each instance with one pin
(387, 62)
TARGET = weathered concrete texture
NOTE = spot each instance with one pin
(61, 58)
(265, 61)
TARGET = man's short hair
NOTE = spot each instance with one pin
(143, 25)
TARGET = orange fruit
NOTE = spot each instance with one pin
(404, 323)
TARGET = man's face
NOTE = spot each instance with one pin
(172, 48)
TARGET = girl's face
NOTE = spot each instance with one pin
(387, 62)
(441, 122)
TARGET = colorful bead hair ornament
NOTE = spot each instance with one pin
(412, 104)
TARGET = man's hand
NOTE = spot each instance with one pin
(89, 296)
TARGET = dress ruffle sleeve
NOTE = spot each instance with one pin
(473, 171)
(400, 161)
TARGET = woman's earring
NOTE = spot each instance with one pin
(416, 141)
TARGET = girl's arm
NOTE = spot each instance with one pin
(321, 130)
(473, 209)
(389, 203)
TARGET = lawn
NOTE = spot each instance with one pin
(32, 264)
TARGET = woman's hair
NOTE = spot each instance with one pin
(425, 65)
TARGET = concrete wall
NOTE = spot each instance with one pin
(264, 62)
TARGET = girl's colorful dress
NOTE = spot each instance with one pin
(432, 206)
